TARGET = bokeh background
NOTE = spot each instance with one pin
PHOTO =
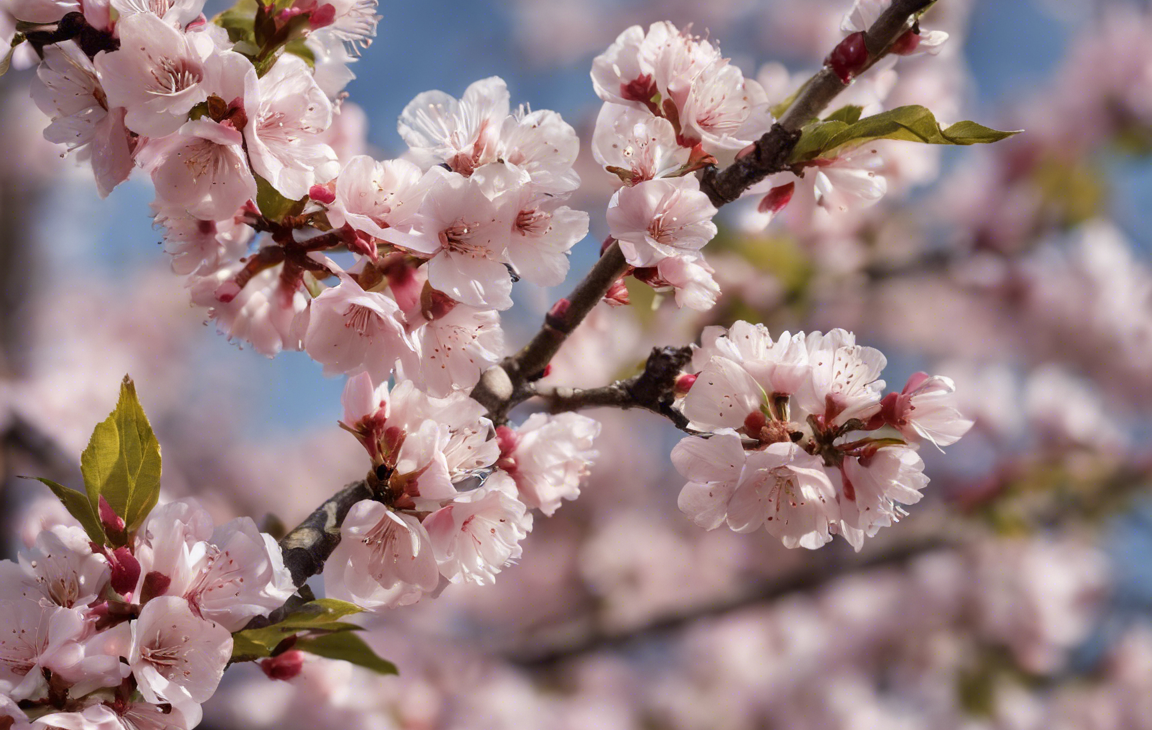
(1017, 595)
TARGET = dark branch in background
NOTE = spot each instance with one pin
(505, 385)
(545, 653)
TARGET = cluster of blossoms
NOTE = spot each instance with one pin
(803, 440)
(136, 636)
(423, 531)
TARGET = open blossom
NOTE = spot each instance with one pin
(41, 11)
(626, 73)
(203, 170)
(33, 638)
(479, 532)
(629, 140)
(59, 569)
(200, 246)
(347, 329)
(156, 75)
(372, 196)
(384, 559)
(849, 182)
(464, 233)
(782, 488)
(544, 146)
(67, 90)
(927, 409)
(456, 348)
(262, 313)
(461, 133)
(540, 234)
(844, 381)
(548, 456)
(657, 219)
(724, 112)
(874, 486)
(125, 716)
(690, 280)
(283, 128)
(177, 656)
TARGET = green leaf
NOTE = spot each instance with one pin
(239, 20)
(122, 461)
(274, 205)
(78, 506)
(848, 114)
(347, 647)
(299, 48)
(906, 123)
(321, 617)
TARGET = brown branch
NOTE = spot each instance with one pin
(505, 385)
(651, 389)
(307, 546)
(579, 640)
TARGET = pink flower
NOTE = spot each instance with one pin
(203, 170)
(866, 12)
(545, 147)
(782, 487)
(372, 196)
(41, 11)
(33, 637)
(156, 75)
(690, 280)
(456, 348)
(872, 488)
(540, 233)
(262, 313)
(844, 379)
(200, 246)
(177, 657)
(657, 219)
(347, 329)
(178, 13)
(67, 90)
(287, 112)
(634, 141)
(724, 111)
(927, 409)
(548, 456)
(479, 532)
(461, 133)
(60, 569)
(384, 559)
(465, 235)
(129, 716)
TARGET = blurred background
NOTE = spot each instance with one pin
(1017, 595)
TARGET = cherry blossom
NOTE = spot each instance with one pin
(156, 75)
(927, 409)
(372, 196)
(384, 559)
(479, 532)
(347, 329)
(547, 457)
(460, 133)
(456, 348)
(262, 313)
(866, 12)
(176, 656)
(873, 487)
(178, 13)
(67, 90)
(628, 140)
(844, 383)
(33, 638)
(203, 169)
(63, 569)
(200, 246)
(658, 219)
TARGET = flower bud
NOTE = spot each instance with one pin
(777, 198)
(849, 58)
(125, 570)
(284, 666)
(684, 383)
(321, 194)
(617, 294)
(558, 311)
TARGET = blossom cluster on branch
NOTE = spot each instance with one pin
(233, 119)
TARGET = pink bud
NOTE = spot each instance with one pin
(284, 666)
(547, 371)
(777, 198)
(849, 58)
(559, 310)
(607, 242)
(746, 151)
(754, 422)
(906, 44)
(684, 383)
(321, 194)
(125, 570)
(322, 16)
(507, 439)
(617, 294)
(112, 522)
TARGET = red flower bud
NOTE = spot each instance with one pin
(849, 58)
(617, 294)
(777, 198)
(284, 666)
(906, 44)
(155, 584)
(321, 194)
(684, 383)
(559, 310)
(125, 570)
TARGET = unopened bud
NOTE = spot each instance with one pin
(321, 194)
(125, 569)
(155, 584)
(558, 311)
(849, 57)
(322, 16)
(617, 294)
(906, 44)
(684, 383)
(284, 666)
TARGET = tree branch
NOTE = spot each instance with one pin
(307, 546)
(504, 386)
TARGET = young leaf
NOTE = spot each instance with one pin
(906, 123)
(848, 114)
(321, 616)
(78, 506)
(122, 461)
(347, 647)
(273, 204)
